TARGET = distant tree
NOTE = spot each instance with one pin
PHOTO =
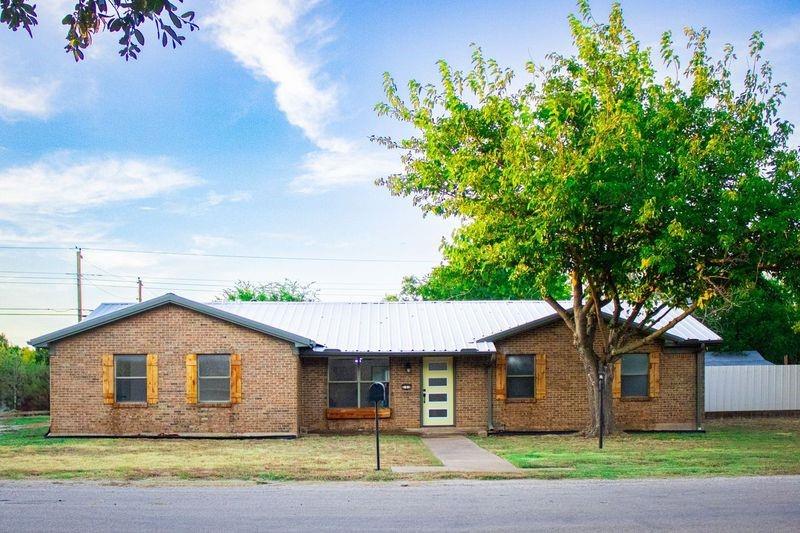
(763, 316)
(90, 17)
(24, 377)
(648, 192)
(276, 291)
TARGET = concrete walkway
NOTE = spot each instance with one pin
(459, 454)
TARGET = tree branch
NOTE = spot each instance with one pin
(642, 341)
(561, 312)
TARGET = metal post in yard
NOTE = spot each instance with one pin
(377, 439)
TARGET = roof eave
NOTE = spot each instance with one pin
(554, 318)
(44, 341)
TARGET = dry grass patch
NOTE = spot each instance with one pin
(27, 453)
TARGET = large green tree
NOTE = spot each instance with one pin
(763, 315)
(650, 192)
(276, 291)
(90, 17)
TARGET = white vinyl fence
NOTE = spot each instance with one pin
(752, 388)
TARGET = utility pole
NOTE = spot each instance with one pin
(139, 284)
(78, 276)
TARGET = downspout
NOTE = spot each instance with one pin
(700, 387)
(490, 392)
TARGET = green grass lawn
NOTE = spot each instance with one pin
(729, 448)
(733, 447)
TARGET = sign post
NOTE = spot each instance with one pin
(377, 394)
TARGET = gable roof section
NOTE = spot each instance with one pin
(114, 312)
(687, 331)
(451, 327)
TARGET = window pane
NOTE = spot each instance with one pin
(437, 413)
(131, 366)
(375, 370)
(131, 390)
(635, 363)
(342, 369)
(213, 365)
(519, 387)
(437, 382)
(342, 395)
(214, 389)
(437, 366)
(519, 365)
(634, 385)
(437, 397)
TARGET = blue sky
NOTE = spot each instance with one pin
(253, 139)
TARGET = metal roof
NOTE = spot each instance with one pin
(406, 327)
(113, 312)
(748, 357)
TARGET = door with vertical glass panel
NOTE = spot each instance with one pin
(437, 391)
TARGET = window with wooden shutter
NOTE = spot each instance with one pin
(616, 384)
(541, 376)
(152, 379)
(191, 378)
(108, 378)
(655, 374)
(236, 378)
(500, 377)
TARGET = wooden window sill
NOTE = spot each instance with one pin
(520, 400)
(130, 405)
(635, 399)
(214, 404)
(356, 413)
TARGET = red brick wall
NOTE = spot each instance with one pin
(403, 403)
(565, 406)
(470, 396)
(269, 378)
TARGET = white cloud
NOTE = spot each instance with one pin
(209, 242)
(269, 38)
(264, 36)
(33, 98)
(65, 183)
(326, 169)
(214, 198)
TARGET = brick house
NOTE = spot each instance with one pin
(172, 366)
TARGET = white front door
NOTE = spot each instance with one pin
(437, 391)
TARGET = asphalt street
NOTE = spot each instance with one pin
(716, 504)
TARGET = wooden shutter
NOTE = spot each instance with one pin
(616, 384)
(541, 376)
(654, 379)
(152, 379)
(500, 377)
(191, 378)
(108, 378)
(236, 378)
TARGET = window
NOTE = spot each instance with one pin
(349, 380)
(130, 378)
(635, 374)
(520, 380)
(214, 378)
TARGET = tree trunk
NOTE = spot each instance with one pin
(592, 366)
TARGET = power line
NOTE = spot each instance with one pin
(227, 256)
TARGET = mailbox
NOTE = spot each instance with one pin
(377, 393)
